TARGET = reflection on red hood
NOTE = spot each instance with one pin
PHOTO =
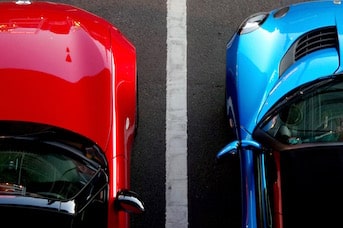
(52, 59)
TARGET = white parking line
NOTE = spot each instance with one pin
(176, 116)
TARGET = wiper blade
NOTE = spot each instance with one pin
(28, 135)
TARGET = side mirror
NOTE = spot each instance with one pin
(234, 146)
(129, 201)
(230, 148)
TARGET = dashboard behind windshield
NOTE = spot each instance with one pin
(41, 170)
(312, 116)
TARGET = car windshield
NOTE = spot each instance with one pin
(41, 170)
(313, 114)
(304, 173)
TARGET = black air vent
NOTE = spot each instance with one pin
(310, 42)
(316, 40)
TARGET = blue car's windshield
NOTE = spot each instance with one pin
(300, 171)
(312, 116)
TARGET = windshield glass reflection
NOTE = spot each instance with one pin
(315, 116)
(40, 170)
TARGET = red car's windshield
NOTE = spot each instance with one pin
(51, 179)
(41, 172)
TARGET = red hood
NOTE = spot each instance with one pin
(53, 70)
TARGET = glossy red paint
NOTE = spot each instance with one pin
(63, 66)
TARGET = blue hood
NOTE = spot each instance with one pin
(272, 53)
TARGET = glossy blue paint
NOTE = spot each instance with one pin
(254, 82)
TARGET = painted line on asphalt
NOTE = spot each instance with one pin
(176, 116)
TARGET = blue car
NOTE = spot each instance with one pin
(284, 106)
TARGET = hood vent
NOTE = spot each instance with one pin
(316, 40)
(309, 42)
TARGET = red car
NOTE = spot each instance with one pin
(67, 118)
